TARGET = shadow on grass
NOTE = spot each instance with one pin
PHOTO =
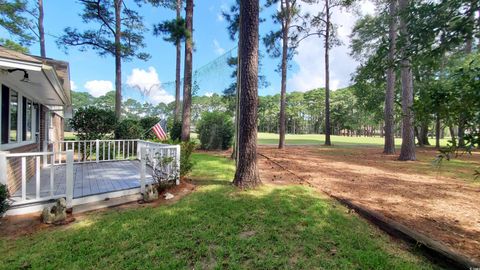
(217, 227)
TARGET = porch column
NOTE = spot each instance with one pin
(3, 168)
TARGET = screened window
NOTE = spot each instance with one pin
(27, 119)
(13, 116)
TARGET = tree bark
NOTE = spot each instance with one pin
(437, 131)
(247, 175)
(419, 137)
(424, 132)
(41, 31)
(118, 58)
(237, 101)
(187, 84)
(283, 92)
(452, 135)
(178, 66)
(327, 74)
(407, 151)
(389, 145)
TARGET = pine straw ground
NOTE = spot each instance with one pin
(443, 203)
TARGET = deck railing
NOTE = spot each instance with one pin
(67, 153)
(151, 154)
(96, 150)
(30, 168)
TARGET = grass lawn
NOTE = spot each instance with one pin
(216, 227)
(319, 139)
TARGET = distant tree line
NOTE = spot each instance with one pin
(304, 111)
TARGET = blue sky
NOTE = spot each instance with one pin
(93, 73)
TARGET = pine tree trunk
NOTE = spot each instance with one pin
(407, 151)
(187, 84)
(237, 100)
(437, 131)
(118, 58)
(452, 135)
(419, 138)
(178, 67)
(41, 31)
(247, 175)
(327, 74)
(389, 146)
(283, 92)
(424, 132)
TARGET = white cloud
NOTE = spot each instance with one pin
(208, 94)
(223, 8)
(147, 82)
(310, 57)
(218, 49)
(98, 87)
(73, 86)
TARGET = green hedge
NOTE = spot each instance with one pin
(215, 131)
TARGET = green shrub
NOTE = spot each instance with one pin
(128, 129)
(176, 131)
(93, 123)
(215, 131)
(147, 123)
(186, 162)
(3, 199)
(186, 150)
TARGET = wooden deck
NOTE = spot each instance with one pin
(90, 179)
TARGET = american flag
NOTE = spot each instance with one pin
(158, 130)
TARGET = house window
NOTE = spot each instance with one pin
(19, 118)
(13, 116)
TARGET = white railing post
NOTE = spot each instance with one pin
(3, 168)
(143, 165)
(97, 149)
(139, 145)
(177, 162)
(69, 178)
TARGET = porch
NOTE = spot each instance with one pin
(88, 179)
(86, 172)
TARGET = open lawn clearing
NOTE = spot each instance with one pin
(444, 204)
(319, 139)
(216, 227)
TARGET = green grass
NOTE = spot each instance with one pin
(216, 227)
(319, 139)
(69, 136)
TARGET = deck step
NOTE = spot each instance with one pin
(105, 203)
